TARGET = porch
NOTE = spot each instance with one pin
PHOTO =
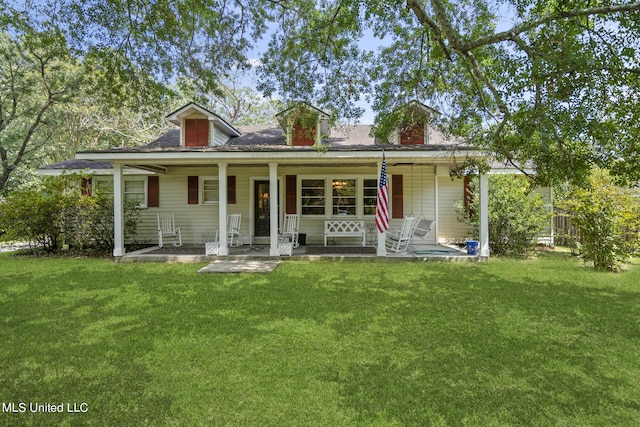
(196, 253)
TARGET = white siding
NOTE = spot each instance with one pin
(450, 230)
(199, 222)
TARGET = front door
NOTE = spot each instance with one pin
(262, 208)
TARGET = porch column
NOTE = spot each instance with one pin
(484, 216)
(118, 211)
(381, 250)
(273, 210)
(222, 209)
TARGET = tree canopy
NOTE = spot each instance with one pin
(556, 83)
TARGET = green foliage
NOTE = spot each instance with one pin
(38, 214)
(607, 219)
(57, 213)
(551, 82)
(516, 214)
(37, 74)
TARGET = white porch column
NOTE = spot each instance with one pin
(118, 211)
(484, 216)
(222, 209)
(381, 250)
(273, 209)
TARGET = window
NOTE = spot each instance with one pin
(135, 188)
(312, 196)
(134, 191)
(210, 191)
(344, 196)
(304, 134)
(370, 196)
(101, 185)
(413, 135)
(196, 132)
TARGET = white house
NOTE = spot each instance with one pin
(206, 169)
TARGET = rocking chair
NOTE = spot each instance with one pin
(167, 228)
(398, 241)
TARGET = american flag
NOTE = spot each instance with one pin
(382, 205)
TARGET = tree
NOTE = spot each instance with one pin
(234, 100)
(553, 82)
(516, 214)
(607, 220)
(36, 75)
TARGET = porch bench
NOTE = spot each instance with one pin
(344, 228)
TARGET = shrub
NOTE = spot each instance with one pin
(516, 214)
(57, 212)
(607, 220)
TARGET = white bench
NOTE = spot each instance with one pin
(344, 228)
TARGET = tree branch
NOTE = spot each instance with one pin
(527, 26)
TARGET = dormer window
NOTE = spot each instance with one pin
(408, 125)
(196, 132)
(413, 134)
(303, 134)
(200, 127)
(304, 125)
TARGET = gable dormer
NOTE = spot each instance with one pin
(303, 124)
(414, 125)
(200, 127)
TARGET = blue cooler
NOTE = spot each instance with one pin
(472, 247)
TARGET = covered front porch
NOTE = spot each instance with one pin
(424, 182)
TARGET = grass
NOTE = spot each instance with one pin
(538, 342)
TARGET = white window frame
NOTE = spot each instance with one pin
(327, 186)
(107, 182)
(145, 190)
(201, 190)
(328, 195)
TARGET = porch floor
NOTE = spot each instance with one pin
(195, 253)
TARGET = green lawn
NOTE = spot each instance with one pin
(538, 342)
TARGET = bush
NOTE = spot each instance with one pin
(516, 214)
(58, 213)
(607, 220)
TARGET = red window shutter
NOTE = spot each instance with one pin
(231, 190)
(397, 202)
(413, 136)
(196, 132)
(290, 197)
(153, 191)
(85, 187)
(192, 191)
(303, 136)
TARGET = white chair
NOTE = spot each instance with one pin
(167, 229)
(233, 229)
(289, 230)
(399, 240)
(423, 228)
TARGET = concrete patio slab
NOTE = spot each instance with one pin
(240, 266)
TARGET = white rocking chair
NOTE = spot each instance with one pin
(167, 229)
(398, 241)
(289, 230)
(233, 229)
